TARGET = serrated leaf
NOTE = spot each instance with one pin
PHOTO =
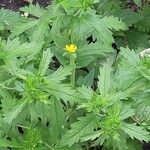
(13, 113)
(88, 53)
(102, 33)
(22, 27)
(41, 31)
(60, 74)
(8, 19)
(114, 23)
(57, 119)
(34, 10)
(138, 2)
(127, 112)
(46, 59)
(6, 143)
(91, 136)
(130, 56)
(105, 80)
(15, 48)
(78, 129)
(136, 132)
(63, 91)
(137, 40)
(74, 147)
(85, 92)
(89, 78)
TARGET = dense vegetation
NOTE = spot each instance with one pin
(75, 76)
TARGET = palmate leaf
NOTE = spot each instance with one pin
(79, 129)
(136, 132)
(44, 64)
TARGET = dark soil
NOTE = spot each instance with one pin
(146, 146)
(16, 4)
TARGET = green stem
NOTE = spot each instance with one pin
(72, 77)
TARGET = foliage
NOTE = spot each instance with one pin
(72, 77)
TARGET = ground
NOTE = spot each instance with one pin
(16, 4)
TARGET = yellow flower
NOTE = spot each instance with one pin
(71, 48)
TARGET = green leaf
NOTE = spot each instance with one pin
(136, 132)
(60, 74)
(22, 27)
(79, 129)
(15, 48)
(13, 112)
(41, 31)
(137, 40)
(92, 136)
(57, 119)
(114, 23)
(101, 32)
(85, 92)
(138, 2)
(6, 143)
(128, 16)
(63, 91)
(8, 19)
(88, 53)
(34, 10)
(44, 64)
(105, 81)
(127, 112)
(131, 57)
(89, 78)
(74, 147)
(143, 23)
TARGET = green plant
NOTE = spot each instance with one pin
(70, 79)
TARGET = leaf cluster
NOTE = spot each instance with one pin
(109, 104)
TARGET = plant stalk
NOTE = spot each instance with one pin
(72, 77)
